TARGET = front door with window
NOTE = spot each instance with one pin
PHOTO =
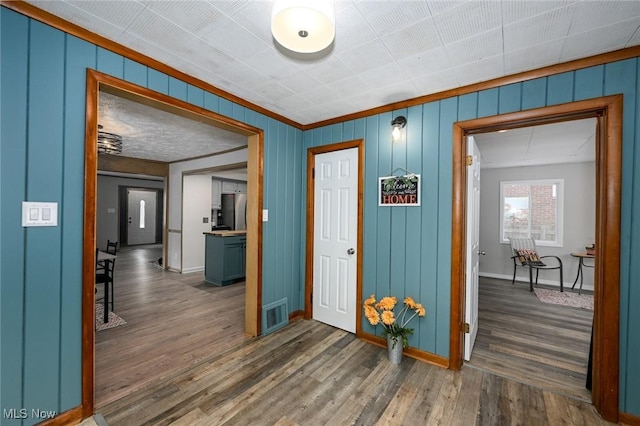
(141, 227)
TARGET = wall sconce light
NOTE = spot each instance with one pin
(397, 124)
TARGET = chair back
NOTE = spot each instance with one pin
(112, 247)
(522, 244)
(105, 274)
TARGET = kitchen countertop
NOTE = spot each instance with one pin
(227, 233)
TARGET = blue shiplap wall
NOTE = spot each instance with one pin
(42, 133)
(407, 249)
(42, 159)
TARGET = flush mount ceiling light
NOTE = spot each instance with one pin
(397, 123)
(303, 26)
(108, 143)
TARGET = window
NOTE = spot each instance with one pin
(532, 208)
(142, 214)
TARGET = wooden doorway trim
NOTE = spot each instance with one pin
(311, 158)
(255, 151)
(606, 344)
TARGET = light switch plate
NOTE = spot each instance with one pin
(39, 214)
(265, 215)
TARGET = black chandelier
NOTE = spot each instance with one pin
(108, 143)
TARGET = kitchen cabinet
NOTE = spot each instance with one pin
(229, 187)
(225, 253)
(216, 191)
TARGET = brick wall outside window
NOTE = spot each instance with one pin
(530, 209)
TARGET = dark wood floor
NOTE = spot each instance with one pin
(173, 320)
(541, 344)
(310, 373)
(182, 359)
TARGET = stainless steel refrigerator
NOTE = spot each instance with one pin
(234, 210)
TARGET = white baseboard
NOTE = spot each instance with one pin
(540, 281)
(194, 269)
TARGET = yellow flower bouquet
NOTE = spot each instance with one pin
(394, 326)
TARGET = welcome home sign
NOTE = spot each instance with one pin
(399, 190)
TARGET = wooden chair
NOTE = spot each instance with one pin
(525, 254)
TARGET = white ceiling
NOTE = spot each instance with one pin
(384, 51)
(557, 143)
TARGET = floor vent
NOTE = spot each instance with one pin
(275, 316)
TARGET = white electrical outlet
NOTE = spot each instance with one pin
(265, 215)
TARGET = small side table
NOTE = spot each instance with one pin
(581, 257)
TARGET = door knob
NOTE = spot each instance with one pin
(482, 252)
(351, 251)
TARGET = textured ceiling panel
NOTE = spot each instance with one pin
(429, 62)
(524, 59)
(153, 134)
(513, 11)
(196, 17)
(109, 11)
(367, 56)
(419, 37)
(81, 17)
(389, 17)
(600, 40)
(597, 14)
(553, 25)
(482, 70)
(442, 80)
(351, 29)
(475, 49)
(468, 19)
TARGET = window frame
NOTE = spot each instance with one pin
(559, 182)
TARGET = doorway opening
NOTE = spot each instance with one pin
(608, 114)
(97, 82)
(551, 199)
(333, 282)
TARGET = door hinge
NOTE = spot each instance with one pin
(469, 160)
(466, 328)
(313, 173)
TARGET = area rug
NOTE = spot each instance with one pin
(114, 319)
(567, 298)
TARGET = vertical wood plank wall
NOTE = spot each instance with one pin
(43, 116)
(407, 250)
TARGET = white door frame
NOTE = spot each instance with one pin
(311, 153)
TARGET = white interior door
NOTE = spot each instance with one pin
(335, 238)
(142, 217)
(473, 247)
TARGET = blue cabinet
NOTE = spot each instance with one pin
(224, 258)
